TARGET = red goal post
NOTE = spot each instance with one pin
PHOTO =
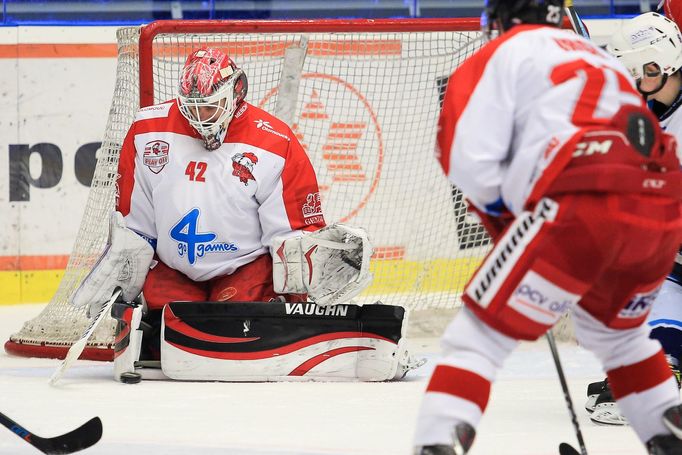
(363, 98)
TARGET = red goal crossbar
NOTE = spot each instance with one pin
(149, 32)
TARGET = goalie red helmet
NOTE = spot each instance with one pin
(504, 14)
(210, 90)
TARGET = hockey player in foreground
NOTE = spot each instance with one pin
(221, 200)
(580, 189)
(654, 60)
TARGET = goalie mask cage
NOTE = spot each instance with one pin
(362, 96)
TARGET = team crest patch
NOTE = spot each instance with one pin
(156, 155)
(312, 208)
(242, 166)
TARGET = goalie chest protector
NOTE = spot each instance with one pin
(254, 341)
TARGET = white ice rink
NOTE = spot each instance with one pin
(526, 415)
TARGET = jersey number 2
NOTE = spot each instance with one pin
(595, 81)
(195, 171)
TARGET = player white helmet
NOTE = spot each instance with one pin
(211, 88)
(648, 39)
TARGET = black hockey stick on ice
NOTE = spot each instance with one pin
(564, 448)
(81, 438)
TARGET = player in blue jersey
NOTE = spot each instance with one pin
(650, 46)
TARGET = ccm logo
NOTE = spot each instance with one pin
(592, 147)
(656, 184)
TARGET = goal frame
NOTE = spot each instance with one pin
(150, 31)
(145, 48)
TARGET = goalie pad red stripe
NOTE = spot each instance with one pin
(309, 364)
(287, 349)
(174, 323)
(275, 327)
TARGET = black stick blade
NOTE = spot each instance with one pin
(81, 438)
(567, 449)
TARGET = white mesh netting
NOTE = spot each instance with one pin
(365, 107)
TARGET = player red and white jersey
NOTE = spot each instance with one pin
(511, 107)
(209, 212)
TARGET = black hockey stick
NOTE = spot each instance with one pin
(81, 438)
(564, 448)
(577, 24)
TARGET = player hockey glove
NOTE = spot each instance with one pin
(330, 265)
(493, 224)
(124, 264)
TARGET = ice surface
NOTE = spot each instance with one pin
(526, 415)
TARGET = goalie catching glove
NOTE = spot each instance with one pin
(124, 264)
(330, 265)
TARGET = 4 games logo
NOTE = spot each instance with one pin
(195, 244)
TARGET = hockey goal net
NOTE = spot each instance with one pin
(363, 97)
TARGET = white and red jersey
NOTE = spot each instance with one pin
(511, 107)
(209, 212)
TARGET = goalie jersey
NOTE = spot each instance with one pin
(207, 213)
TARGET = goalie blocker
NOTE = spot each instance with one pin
(253, 341)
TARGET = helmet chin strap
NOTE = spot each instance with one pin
(664, 79)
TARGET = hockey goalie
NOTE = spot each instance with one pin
(217, 212)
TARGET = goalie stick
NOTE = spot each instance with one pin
(77, 348)
(81, 438)
(564, 448)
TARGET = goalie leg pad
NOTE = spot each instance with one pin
(254, 341)
(128, 341)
